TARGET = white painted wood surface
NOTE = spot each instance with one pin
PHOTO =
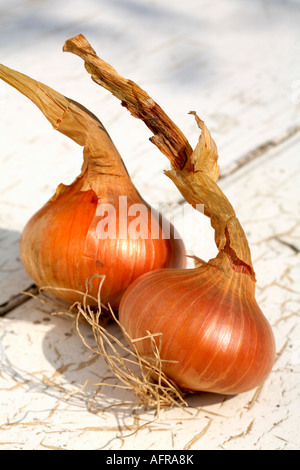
(237, 65)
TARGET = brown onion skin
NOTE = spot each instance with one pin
(59, 246)
(210, 324)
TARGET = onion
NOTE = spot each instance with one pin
(97, 226)
(212, 334)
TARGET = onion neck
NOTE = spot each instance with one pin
(106, 171)
(102, 165)
(224, 272)
(198, 188)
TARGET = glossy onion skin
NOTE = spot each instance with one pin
(215, 331)
(59, 248)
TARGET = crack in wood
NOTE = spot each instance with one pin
(260, 150)
(18, 299)
(294, 248)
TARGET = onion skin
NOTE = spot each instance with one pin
(60, 247)
(211, 326)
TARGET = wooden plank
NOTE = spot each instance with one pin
(237, 66)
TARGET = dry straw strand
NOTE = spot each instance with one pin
(143, 376)
(157, 393)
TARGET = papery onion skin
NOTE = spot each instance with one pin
(60, 247)
(211, 327)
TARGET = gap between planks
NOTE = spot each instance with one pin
(18, 299)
